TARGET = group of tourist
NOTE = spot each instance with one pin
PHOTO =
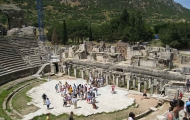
(71, 93)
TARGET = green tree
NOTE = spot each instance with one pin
(64, 34)
(90, 33)
(54, 38)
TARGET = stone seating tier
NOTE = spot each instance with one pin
(35, 60)
(10, 60)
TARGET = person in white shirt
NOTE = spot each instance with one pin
(47, 103)
(74, 100)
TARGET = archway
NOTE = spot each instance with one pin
(3, 24)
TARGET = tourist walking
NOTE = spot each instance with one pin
(56, 88)
(75, 102)
(113, 89)
(144, 95)
(47, 103)
(71, 116)
(131, 116)
(44, 96)
(64, 101)
(174, 110)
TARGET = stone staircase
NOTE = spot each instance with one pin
(41, 69)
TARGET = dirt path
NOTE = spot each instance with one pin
(144, 104)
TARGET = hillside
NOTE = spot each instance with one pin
(154, 11)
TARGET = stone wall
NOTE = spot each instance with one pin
(148, 63)
(14, 14)
(22, 73)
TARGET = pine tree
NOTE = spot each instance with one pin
(64, 37)
(90, 34)
(54, 38)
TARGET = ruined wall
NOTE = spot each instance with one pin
(14, 14)
(22, 73)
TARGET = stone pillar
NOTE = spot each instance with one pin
(113, 78)
(134, 81)
(151, 90)
(75, 72)
(145, 84)
(107, 79)
(161, 84)
(123, 81)
(149, 82)
(128, 83)
(118, 81)
(139, 84)
(87, 72)
(90, 74)
(68, 69)
(82, 74)
(99, 75)
(53, 69)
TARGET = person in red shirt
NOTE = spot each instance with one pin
(180, 95)
(112, 89)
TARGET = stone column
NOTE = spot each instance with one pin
(149, 82)
(53, 69)
(68, 69)
(123, 81)
(145, 84)
(151, 90)
(75, 72)
(118, 81)
(113, 78)
(107, 79)
(99, 75)
(128, 83)
(134, 81)
(139, 84)
(82, 74)
(90, 74)
(161, 84)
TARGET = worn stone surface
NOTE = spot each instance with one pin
(106, 101)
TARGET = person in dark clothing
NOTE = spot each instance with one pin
(71, 116)
(44, 96)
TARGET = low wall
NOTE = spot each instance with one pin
(22, 73)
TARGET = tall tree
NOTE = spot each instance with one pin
(90, 33)
(124, 19)
(64, 37)
(54, 38)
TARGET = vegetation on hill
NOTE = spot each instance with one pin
(101, 11)
(110, 20)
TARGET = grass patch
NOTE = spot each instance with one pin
(20, 100)
(4, 93)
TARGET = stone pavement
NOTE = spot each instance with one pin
(106, 101)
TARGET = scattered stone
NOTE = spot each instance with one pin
(160, 117)
(153, 109)
(136, 105)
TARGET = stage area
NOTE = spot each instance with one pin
(106, 102)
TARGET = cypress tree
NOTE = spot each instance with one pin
(54, 38)
(90, 34)
(64, 37)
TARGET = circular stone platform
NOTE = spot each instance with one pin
(106, 101)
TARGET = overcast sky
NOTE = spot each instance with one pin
(185, 3)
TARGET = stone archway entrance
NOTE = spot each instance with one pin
(15, 15)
